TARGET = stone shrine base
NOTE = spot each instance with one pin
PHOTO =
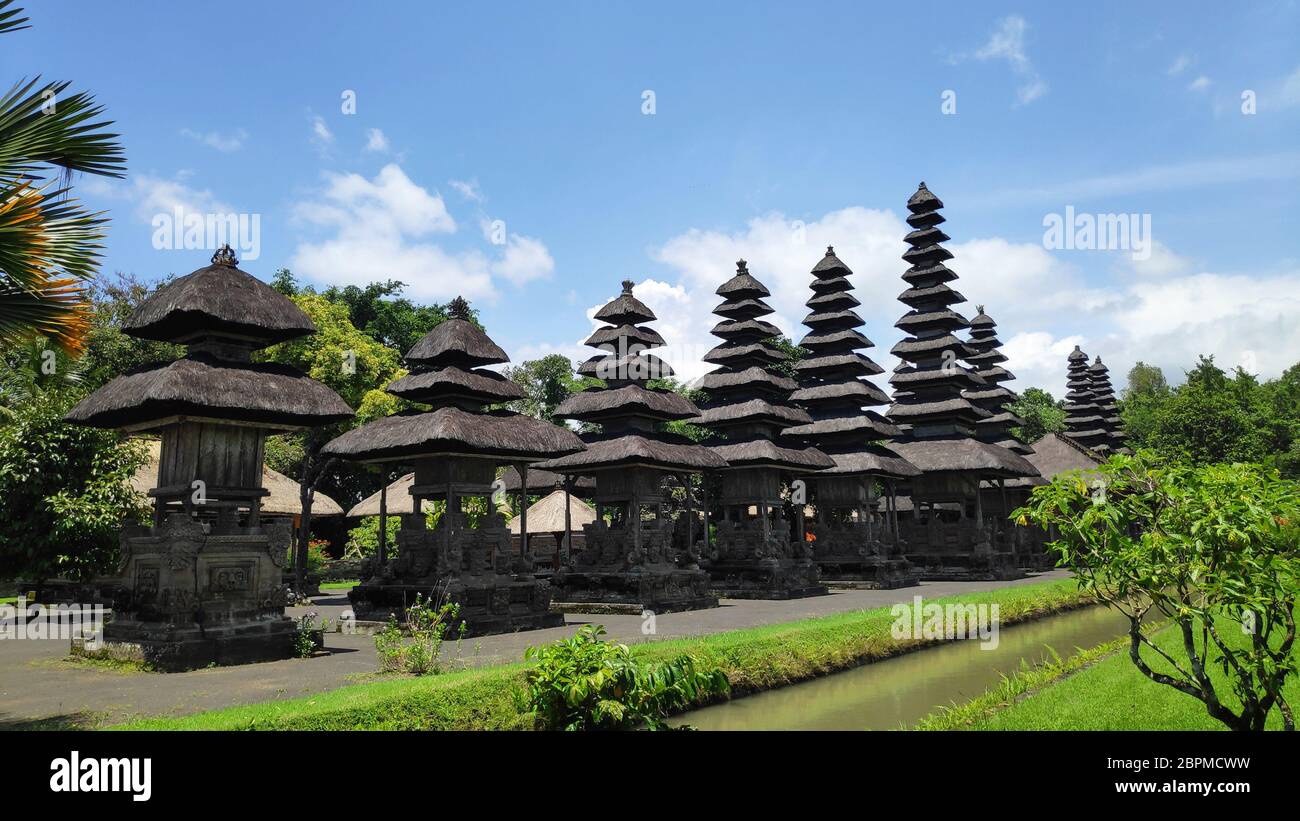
(171, 648)
(655, 589)
(868, 573)
(489, 603)
(765, 579)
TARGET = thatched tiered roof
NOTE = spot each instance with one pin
(628, 410)
(932, 390)
(446, 375)
(1083, 419)
(1103, 396)
(929, 384)
(994, 398)
(834, 386)
(223, 314)
(544, 481)
(745, 415)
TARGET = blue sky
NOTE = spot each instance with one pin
(776, 130)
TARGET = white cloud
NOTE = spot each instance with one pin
(524, 259)
(376, 141)
(224, 143)
(1199, 84)
(1162, 262)
(469, 190)
(151, 195)
(1179, 65)
(1008, 43)
(321, 136)
(1287, 94)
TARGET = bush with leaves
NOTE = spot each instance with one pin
(1215, 549)
(416, 646)
(586, 683)
(64, 491)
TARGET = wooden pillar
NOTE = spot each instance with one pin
(523, 509)
(568, 524)
(383, 516)
(704, 486)
(690, 514)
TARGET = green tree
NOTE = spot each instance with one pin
(49, 243)
(547, 382)
(64, 491)
(380, 310)
(1215, 549)
(1042, 415)
(1141, 401)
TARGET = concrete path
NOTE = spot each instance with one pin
(38, 683)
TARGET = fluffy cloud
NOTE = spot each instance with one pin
(385, 227)
(376, 141)
(1008, 43)
(224, 143)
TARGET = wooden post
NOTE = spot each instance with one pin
(690, 514)
(523, 509)
(704, 486)
(568, 524)
(383, 516)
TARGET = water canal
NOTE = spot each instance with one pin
(898, 692)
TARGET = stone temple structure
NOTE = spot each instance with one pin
(851, 540)
(948, 535)
(1083, 418)
(756, 552)
(456, 447)
(635, 555)
(202, 584)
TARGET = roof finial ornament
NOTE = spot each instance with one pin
(979, 309)
(458, 308)
(922, 187)
(741, 267)
(225, 255)
(627, 287)
(830, 250)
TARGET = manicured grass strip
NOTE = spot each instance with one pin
(1113, 695)
(343, 585)
(753, 659)
(8, 599)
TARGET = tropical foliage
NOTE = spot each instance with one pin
(1213, 549)
(586, 683)
(49, 244)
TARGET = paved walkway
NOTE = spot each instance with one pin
(38, 683)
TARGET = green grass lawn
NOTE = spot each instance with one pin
(754, 659)
(1111, 694)
(347, 584)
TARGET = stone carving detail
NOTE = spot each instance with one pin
(185, 538)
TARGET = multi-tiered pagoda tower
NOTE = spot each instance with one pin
(456, 447)
(757, 552)
(635, 555)
(202, 585)
(851, 540)
(1083, 419)
(993, 397)
(948, 534)
(1103, 396)
(1000, 496)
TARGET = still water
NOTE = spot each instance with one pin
(898, 692)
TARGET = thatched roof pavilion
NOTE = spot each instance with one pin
(994, 398)
(547, 514)
(399, 490)
(446, 373)
(545, 481)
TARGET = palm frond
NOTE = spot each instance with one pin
(9, 19)
(45, 234)
(38, 127)
(58, 311)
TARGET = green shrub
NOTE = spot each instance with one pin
(417, 649)
(585, 683)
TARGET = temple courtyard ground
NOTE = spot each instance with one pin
(41, 687)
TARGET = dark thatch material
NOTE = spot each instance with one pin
(543, 481)
(835, 340)
(746, 328)
(625, 309)
(753, 410)
(766, 453)
(853, 362)
(830, 266)
(869, 425)
(199, 385)
(594, 404)
(661, 451)
(964, 455)
(742, 286)
(874, 460)
(457, 342)
(730, 352)
(1054, 455)
(753, 378)
(487, 387)
(743, 309)
(865, 392)
(219, 299)
(635, 367)
(609, 335)
(509, 436)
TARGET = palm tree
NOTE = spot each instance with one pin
(49, 244)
